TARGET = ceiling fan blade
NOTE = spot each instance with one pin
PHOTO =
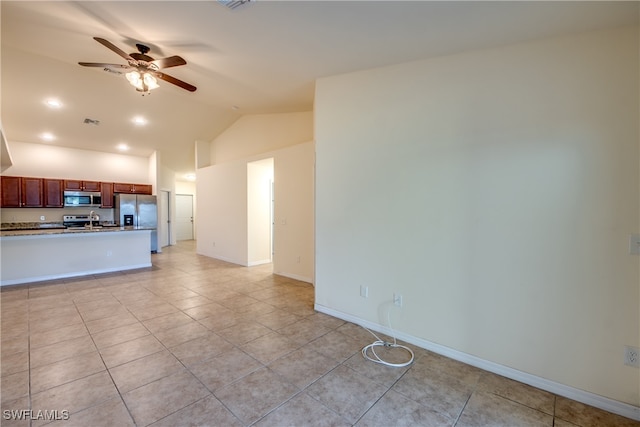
(177, 82)
(113, 47)
(172, 61)
(103, 65)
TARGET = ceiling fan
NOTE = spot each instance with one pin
(142, 69)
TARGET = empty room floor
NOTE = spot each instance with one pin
(195, 341)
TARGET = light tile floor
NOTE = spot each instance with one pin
(196, 341)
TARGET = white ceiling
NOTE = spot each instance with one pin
(262, 57)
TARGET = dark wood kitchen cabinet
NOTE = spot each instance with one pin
(21, 192)
(53, 193)
(32, 192)
(73, 185)
(11, 196)
(107, 195)
(119, 187)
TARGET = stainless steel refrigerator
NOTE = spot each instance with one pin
(138, 211)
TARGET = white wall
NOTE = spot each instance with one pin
(496, 191)
(254, 134)
(186, 187)
(222, 212)
(294, 243)
(5, 154)
(287, 139)
(49, 161)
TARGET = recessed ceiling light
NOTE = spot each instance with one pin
(140, 121)
(47, 136)
(190, 176)
(53, 103)
(122, 147)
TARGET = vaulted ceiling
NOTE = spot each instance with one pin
(262, 57)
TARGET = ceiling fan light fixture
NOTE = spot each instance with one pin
(143, 82)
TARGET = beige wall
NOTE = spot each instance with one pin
(223, 219)
(496, 191)
(48, 161)
(221, 213)
(254, 134)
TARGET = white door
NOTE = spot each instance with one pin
(164, 222)
(184, 217)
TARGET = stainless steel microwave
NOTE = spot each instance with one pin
(87, 199)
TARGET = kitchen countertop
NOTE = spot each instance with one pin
(29, 256)
(51, 231)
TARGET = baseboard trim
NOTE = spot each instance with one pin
(70, 275)
(294, 276)
(588, 398)
(261, 262)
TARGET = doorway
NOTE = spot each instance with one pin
(260, 211)
(164, 220)
(184, 217)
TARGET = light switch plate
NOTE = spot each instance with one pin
(634, 244)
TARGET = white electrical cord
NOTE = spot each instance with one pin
(380, 343)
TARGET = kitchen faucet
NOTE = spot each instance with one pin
(92, 216)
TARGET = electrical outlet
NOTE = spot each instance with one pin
(632, 356)
(397, 299)
(364, 291)
(41, 217)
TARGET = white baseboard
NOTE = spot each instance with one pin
(69, 275)
(261, 262)
(294, 276)
(588, 398)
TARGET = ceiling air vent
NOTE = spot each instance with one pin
(91, 122)
(234, 4)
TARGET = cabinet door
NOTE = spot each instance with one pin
(90, 186)
(53, 189)
(119, 187)
(141, 188)
(11, 196)
(32, 192)
(107, 195)
(72, 185)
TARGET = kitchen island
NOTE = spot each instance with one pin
(36, 255)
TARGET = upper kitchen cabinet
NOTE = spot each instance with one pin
(107, 195)
(53, 193)
(11, 187)
(73, 185)
(119, 187)
(22, 192)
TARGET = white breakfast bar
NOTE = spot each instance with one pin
(36, 255)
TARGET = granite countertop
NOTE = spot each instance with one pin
(50, 229)
(7, 226)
